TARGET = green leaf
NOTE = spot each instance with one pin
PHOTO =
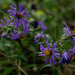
(19, 42)
(49, 37)
(7, 71)
(31, 65)
(55, 72)
(43, 66)
(46, 65)
(22, 57)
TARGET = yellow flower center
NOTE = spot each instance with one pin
(73, 33)
(73, 58)
(19, 15)
(22, 37)
(48, 53)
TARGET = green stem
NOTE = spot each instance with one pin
(4, 13)
(20, 66)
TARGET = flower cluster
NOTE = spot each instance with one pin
(14, 31)
(69, 32)
(17, 27)
(41, 34)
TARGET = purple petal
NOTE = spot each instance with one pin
(54, 46)
(24, 21)
(56, 53)
(12, 14)
(47, 44)
(56, 50)
(26, 15)
(20, 7)
(24, 11)
(10, 11)
(2, 21)
(13, 22)
(41, 55)
(53, 60)
(12, 7)
(74, 48)
(1, 25)
(15, 6)
(47, 60)
(51, 43)
(6, 21)
(21, 24)
(57, 56)
(17, 23)
(67, 26)
(42, 48)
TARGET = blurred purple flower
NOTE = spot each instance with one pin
(3, 27)
(4, 35)
(67, 31)
(35, 24)
(14, 35)
(49, 53)
(4, 23)
(38, 37)
(18, 15)
(72, 51)
(66, 58)
(42, 26)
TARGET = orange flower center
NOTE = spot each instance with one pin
(73, 58)
(19, 15)
(48, 53)
(73, 33)
(22, 37)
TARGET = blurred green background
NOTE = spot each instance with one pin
(53, 13)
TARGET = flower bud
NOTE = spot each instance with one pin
(4, 35)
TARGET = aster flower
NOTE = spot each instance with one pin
(18, 15)
(38, 37)
(49, 53)
(14, 35)
(4, 23)
(66, 58)
(42, 26)
(4, 27)
(67, 31)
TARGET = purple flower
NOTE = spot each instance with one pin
(4, 35)
(18, 15)
(4, 23)
(38, 37)
(35, 24)
(66, 58)
(4, 27)
(42, 26)
(72, 51)
(49, 53)
(67, 31)
(14, 35)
